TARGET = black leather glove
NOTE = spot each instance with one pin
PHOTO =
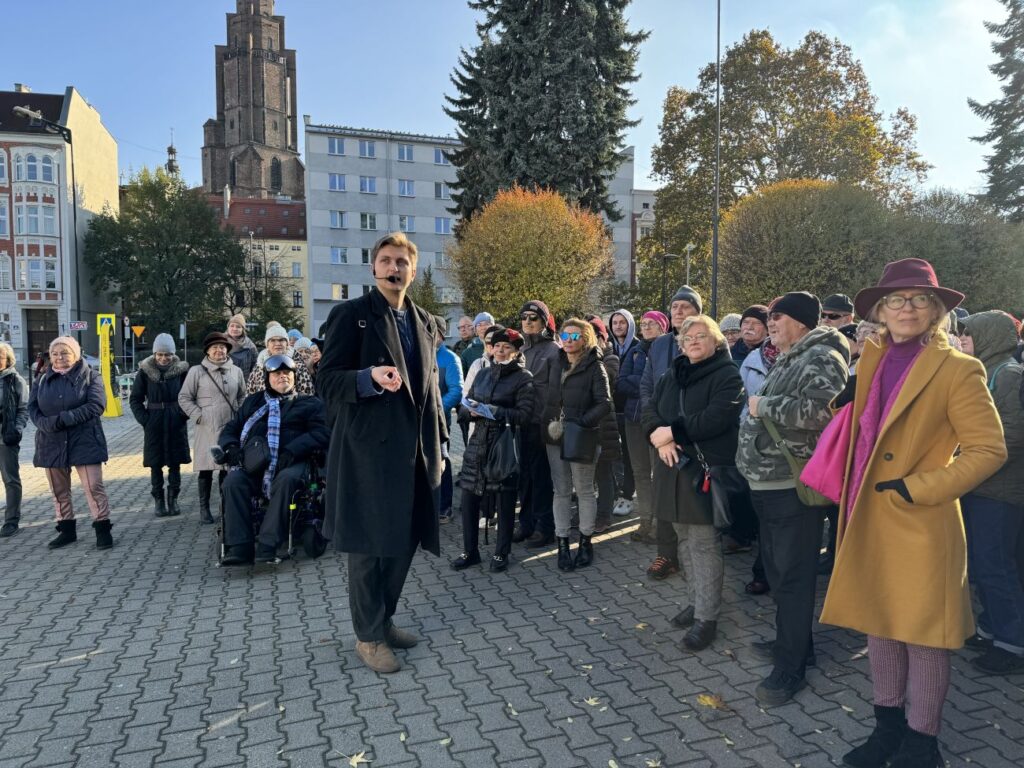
(895, 485)
(848, 393)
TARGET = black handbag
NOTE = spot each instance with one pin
(579, 443)
(721, 482)
(503, 456)
(256, 455)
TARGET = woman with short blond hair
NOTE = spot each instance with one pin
(13, 417)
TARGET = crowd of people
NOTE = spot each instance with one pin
(895, 416)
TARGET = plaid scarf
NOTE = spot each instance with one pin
(770, 354)
(273, 405)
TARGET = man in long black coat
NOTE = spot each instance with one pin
(378, 376)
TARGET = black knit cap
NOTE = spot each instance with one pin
(509, 336)
(802, 306)
(756, 311)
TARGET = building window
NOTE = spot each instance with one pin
(274, 269)
(339, 255)
(273, 247)
(32, 168)
(335, 146)
(442, 191)
(35, 273)
(406, 188)
(366, 255)
(285, 213)
(233, 175)
(337, 220)
(367, 148)
(5, 272)
(336, 182)
(296, 298)
(257, 269)
(366, 289)
(368, 221)
(407, 223)
(442, 261)
(339, 292)
(49, 220)
(296, 269)
(368, 184)
(646, 231)
(296, 247)
(275, 174)
(405, 153)
(5, 222)
(26, 219)
(47, 165)
(3, 167)
(442, 225)
(440, 158)
(646, 206)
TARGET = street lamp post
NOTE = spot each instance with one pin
(664, 279)
(689, 250)
(65, 133)
(718, 159)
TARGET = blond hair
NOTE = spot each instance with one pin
(940, 316)
(708, 322)
(587, 334)
(8, 351)
(396, 240)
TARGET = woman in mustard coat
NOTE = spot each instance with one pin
(901, 565)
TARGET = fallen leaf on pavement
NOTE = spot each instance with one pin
(402, 737)
(359, 758)
(511, 709)
(712, 700)
(641, 625)
(652, 763)
(445, 742)
(612, 764)
(592, 701)
(846, 708)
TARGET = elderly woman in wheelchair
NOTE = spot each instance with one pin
(268, 444)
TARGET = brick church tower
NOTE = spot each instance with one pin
(252, 145)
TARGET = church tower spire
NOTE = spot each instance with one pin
(252, 144)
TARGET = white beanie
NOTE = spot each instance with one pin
(274, 331)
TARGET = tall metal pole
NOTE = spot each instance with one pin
(718, 159)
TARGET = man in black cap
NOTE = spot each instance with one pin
(811, 370)
(837, 310)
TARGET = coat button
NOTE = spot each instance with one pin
(887, 457)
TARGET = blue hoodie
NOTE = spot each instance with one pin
(623, 351)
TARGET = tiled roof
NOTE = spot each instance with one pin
(268, 218)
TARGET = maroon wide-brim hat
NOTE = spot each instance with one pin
(903, 275)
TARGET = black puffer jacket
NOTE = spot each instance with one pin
(66, 410)
(509, 390)
(154, 403)
(303, 427)
(611, 450)
(583, 394)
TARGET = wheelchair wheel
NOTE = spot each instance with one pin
(313, 543)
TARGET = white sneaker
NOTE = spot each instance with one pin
(483, 523)
(622, 508)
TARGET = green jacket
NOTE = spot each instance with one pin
(995, 341)
(796, 396)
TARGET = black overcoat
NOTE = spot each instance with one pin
(66, 410)
(509, 390)
(154, 404)
(712, 393)
(384, 464)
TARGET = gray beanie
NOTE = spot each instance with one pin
(164, 343)
(686, 293)
(274, 331)
(730, 322)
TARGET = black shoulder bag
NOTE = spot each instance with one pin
(721, 482)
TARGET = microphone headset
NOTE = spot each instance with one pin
(393, 279)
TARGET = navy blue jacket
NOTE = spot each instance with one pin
(66, 410)
(627, 385)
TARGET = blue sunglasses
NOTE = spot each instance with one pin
(575, 336)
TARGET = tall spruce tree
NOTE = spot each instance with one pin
(542, 99)
(1005, 166)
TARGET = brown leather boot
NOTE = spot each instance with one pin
(399, 638)
(378, 657)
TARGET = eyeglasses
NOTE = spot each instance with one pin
(917, 301)
(776, 315)
(648, 324)
(529, 317)
(696, 337)
(833, 315)
(570, 336)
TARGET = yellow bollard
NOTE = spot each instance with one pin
(105, 330)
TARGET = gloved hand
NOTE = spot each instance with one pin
(444, 451)
(895, 485)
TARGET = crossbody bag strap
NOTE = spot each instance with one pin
(217, 387)
(773, 431)
(696, 445)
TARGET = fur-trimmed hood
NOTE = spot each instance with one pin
(176, 368)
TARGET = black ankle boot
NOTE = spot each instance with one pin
(884, 741)
(103, 538)
(565, 562)
(918, 750)
(584, 553)
(159, 508)
(700, 635)
(66, 533)
(172, 502)
(205, 487)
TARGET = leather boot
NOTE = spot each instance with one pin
(172, 502)
(205, 487)
(377, 656)
(66, 533)
(918, 750)
(159, 508)
(884, 741)
(584, 553)
(565, 562)
(700, 635)
(103, 538)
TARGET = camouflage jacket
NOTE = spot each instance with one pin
(796, 396)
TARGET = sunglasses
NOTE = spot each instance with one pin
(575, 336)
(529, 317)
(833, 315)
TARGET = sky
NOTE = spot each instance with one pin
(148, 65)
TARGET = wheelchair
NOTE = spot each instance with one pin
(305, 514)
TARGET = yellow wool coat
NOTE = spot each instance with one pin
(901, 569)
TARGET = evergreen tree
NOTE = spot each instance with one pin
(1005, 166)
(541, 101)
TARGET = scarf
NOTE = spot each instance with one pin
(870, 427)
(770, 354)
(273, 406)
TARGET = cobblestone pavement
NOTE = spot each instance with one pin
(150, 655)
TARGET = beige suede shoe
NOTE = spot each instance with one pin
(378, 657)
